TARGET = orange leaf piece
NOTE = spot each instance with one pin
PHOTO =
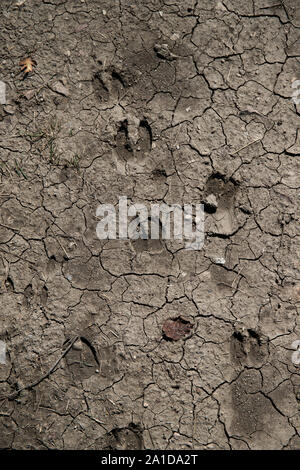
(27, 65)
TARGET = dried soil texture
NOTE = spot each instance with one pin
(162, 101)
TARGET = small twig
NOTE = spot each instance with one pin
(10, 228)
(81, 364)
(245, 146)
(272, 6)
(114, 333)
(17, 256)
(6, 167)
(151, 438)
(229, 73)
(237, 277)
(38, 402)
(58, 241)
(193, 430)
(45, 376)
(18, 170)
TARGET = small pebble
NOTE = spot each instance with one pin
(77, 345)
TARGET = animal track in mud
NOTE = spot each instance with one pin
(133, 141)
(124, 147)
(222, 277)
(100, 86)
(31, 296)
(168, 70)
(110, 84)
(108, 362)
(159, 173)
(28, 295)
(249, 347)
(250, 410)
(149, 245)
(127, 438)
(145, 136)
(218, 203)
(44, 295)
(82, 359)
(9, 284)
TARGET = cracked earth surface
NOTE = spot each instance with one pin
(175, 101)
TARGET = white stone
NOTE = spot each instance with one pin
(2, 93)
(220, 260)
(2, 352)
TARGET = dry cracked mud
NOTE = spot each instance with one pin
(162, 101)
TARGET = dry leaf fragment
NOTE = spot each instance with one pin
(176, 328)
(27, 65)
(28, 94)
(59, 88)
(19, 3)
